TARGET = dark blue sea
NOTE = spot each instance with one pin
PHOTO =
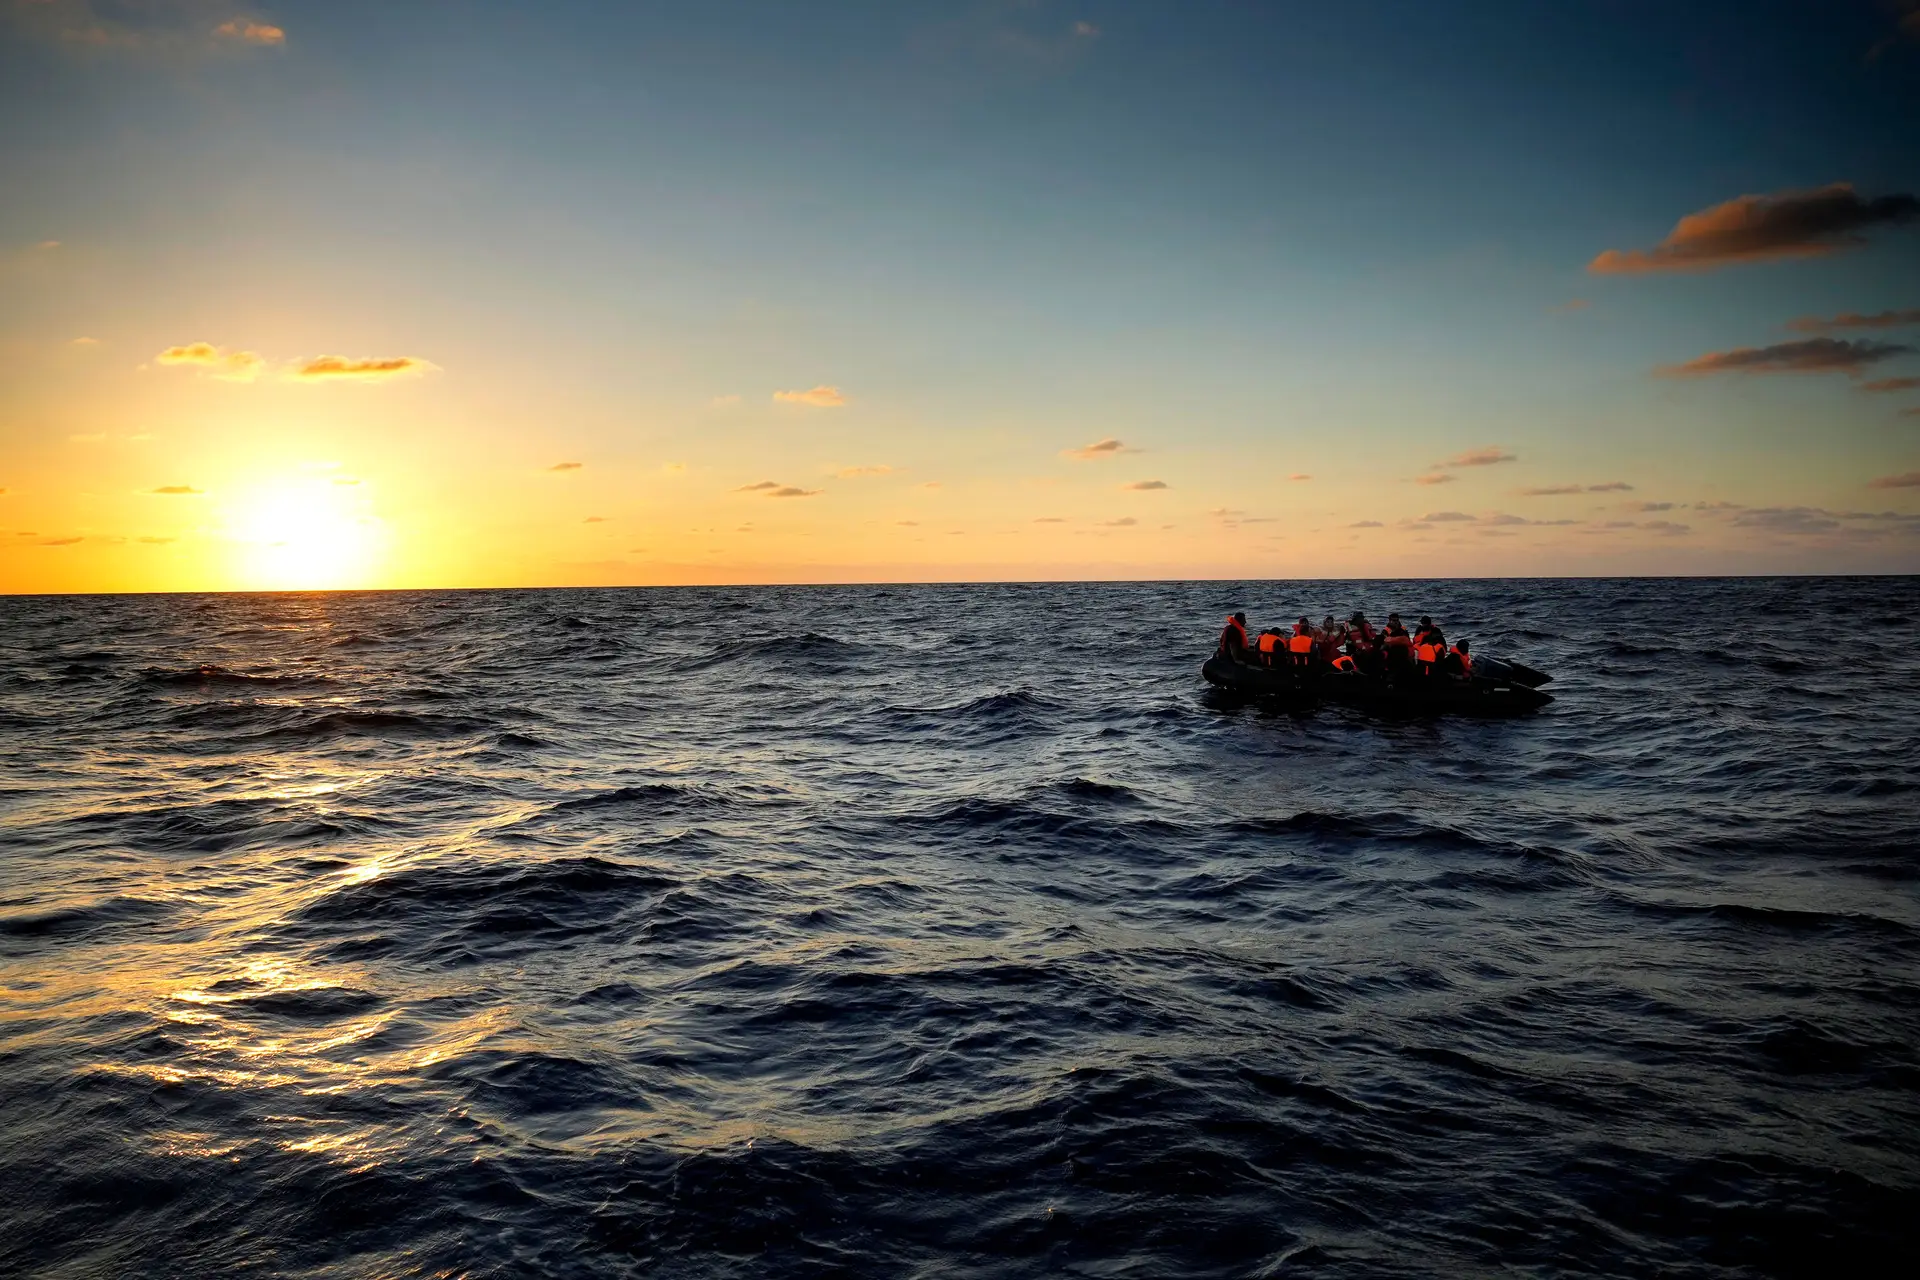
(954, 931)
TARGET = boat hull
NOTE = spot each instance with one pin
(1406, 695)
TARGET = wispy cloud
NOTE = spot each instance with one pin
(1487, 457)
(1549, 490)
(1892, 384)
(1808, 355)
(774, 489)
(821, 397)
(1436, 477)
(246, 31)
(60, 542)
(1761, 228)
(594, 520)
(1122, 523)
(335, 368)
(1141, 485)
(230, 366)
(1299, 475)
(855, 473)
(1366, 524)
(1104, 448)
(156, 542)
(1611, 486)
(566, 466)
(1049, 520)
(176, 489)
(1445, 517)
(1855, 320)
(1905, 480)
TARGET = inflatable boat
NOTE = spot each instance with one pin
(1496, 688)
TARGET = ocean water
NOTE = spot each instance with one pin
(954, 931)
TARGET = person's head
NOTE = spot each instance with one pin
(1425, 621)
(1394, 618)
(1357, 620)
(1240, 618)
(1461, 646)
(1304, 622)
(1329, 624)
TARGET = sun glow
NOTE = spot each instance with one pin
(306, 535)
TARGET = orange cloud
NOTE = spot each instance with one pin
(230, 366)
(1762, 228)
(249, 32)
(176, 489)
(1808, 355)
(157, 542)
(1437, 477)
(854, 473)
(1855, 320)
(1123, 522)
(1906, 480)
(1549, 491)
(774, 489)
(1892, 384)
(1143, 485)
(329, 367)
(822, 397)
(59, 542)
(1299, 475)
(1103, 448)
(566, 466)
(594, 520)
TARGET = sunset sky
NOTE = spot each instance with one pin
(433, 294)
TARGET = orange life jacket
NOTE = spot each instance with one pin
(1343, 663)
(1466, 661)
(1426, 653)
(1270, 643)
(1300, 644)
(1233, 624)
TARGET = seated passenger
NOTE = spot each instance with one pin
(1233, 637)
(1397, 645)
(1300, 644)
(1459, 662)
(1271, 644)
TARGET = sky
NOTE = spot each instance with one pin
(344, 294)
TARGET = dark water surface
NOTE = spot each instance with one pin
(953, 931)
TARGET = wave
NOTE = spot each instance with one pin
(210, 675)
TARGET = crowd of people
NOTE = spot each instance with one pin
(1355, 645)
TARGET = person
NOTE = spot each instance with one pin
(1271, 644)
(1300, 643)
(1397, 644)
(1329, 637)
(1429, 633)
(1233, 637)
(1460, 662)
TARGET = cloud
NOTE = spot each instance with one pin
(822, 397)
(84, 342)
(157, 542)
(230, 366)
(1500, 518)
(1445, 517)
(1103, 448)
(1670, 528)
(774, 489)
(1487, 457)
(1762, 228)
(1437, 477)
(1892, 384)
(1611, 486)
(174, 489)
(1549, 491)
(1049, 520)
(1122, 523)
(854, 473)
(1787, 520)
(566, 466)
(59, 542)
(326, 368)
(1854, 320)
(1905, 480)
(1808, 355)
(724, 402)
(1650, 506)
(594, 520)
(1299, 475)
(1914, 412)
(247, 31)
(1366, 524)
(1142, 485)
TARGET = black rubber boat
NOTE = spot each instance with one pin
(1496, 689)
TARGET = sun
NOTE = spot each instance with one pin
(306, 535)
